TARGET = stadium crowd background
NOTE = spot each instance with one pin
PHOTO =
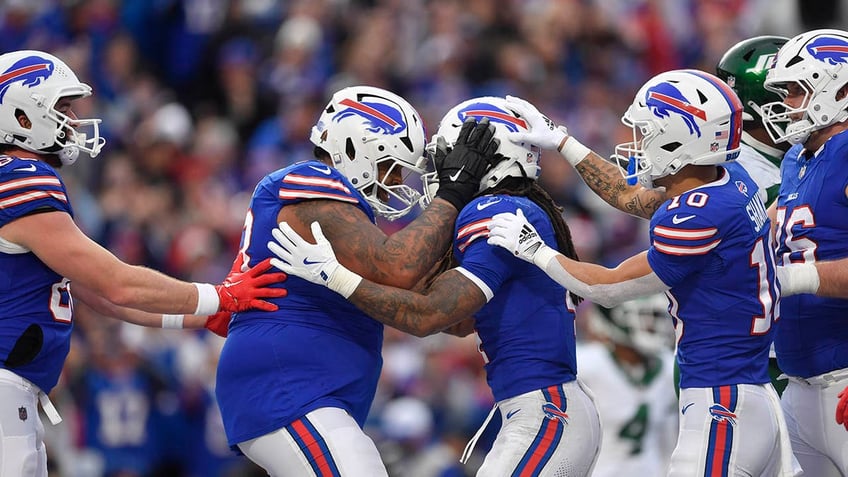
(201, 98)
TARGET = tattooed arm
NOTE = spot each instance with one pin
(450, 299)
(401, 259)
(602, 176)
(605, 179)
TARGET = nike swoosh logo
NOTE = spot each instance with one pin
(306, 261)
(512, 413)
(456, 176)
(683, 411)
(679, 220)
(483, 205)
(325, 170)
(29, 168)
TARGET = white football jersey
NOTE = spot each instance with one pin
(639, 419)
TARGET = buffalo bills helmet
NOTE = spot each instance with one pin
(816, 61)
(32, 82)
(679, 118)
(643, 324)
(371, 134)
(744, 67)
(520, 159)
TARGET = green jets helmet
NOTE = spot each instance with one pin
(744, 67)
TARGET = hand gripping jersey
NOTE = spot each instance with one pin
(711, 246)
(812, 221)
(526, 330)
(35, 303)
(317, 350)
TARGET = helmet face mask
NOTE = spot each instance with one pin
(521, 159)
(679, 118)
(365, 129)
(816, 62)
(34, 83)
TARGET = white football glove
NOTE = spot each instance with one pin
(545, 133)
(541, 131)
(312, 262)
(514, 233)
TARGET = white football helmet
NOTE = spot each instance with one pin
(33, 82)
(643, 324)
(522, 159)
(817, 61)
(679, 118)
(363, 127)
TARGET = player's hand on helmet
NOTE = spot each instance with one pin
(541, 131)
(514, 233)
(315, 263)
(242, 291)
(219, 323)
(461, 169)
(842, 408)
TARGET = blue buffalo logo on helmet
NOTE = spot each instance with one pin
(31, 70)
(722, 414)
(664, 100)
(381, 118)
(829, 49)
(495, 114)
(554, 413)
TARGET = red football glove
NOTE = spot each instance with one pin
(242, 291)
(842, 408)
(219, 323)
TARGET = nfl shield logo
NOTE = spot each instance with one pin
(22, 413)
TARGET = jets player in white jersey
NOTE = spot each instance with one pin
(710, 253)
(524, 321)
(628, 365)
(810, 73)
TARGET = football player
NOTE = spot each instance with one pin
(628, 365)
(523, 320)
(710, 253)
(810, 76)
(46, 261)
(743, 67)
(295, 387)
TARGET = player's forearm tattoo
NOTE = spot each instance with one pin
(605, 179)
(411, 252)
(419, 315)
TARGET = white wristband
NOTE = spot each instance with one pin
(798, 278)
(573, 151)
(343, 281)
(543, 256)
(207, 299)
(172, 321)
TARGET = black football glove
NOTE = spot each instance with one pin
(461, 169)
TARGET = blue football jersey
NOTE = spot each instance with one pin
(812, 223)
(35, 304)
(317, 350)
(526, 330)
(711, 246)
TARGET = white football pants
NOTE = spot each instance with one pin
(327, 442)
(819, 443)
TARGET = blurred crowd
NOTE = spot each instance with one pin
(201, 98)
